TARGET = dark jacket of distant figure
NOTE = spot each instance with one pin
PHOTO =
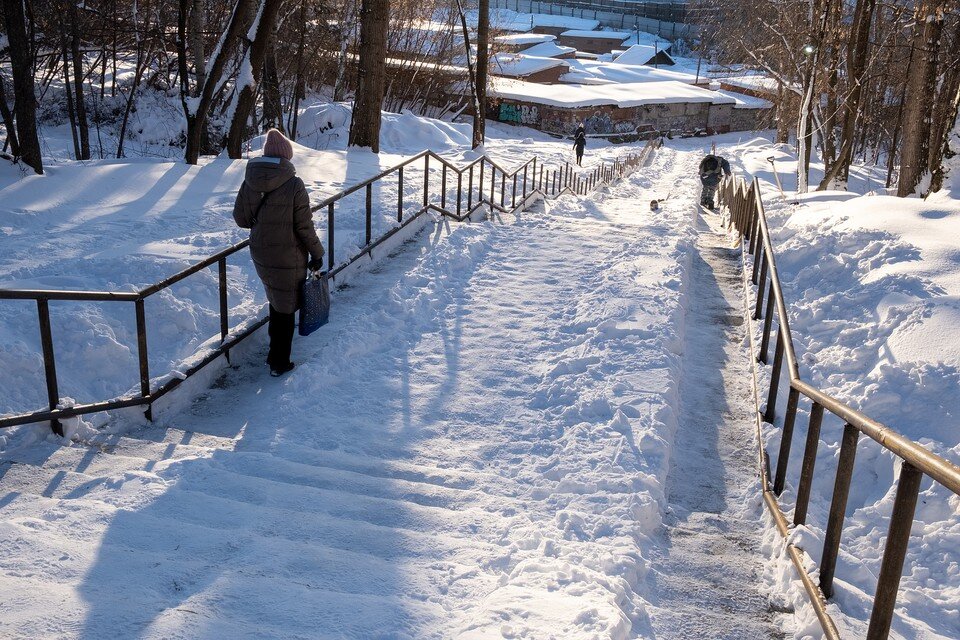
(580, 139)
(712, 168)
(283, 234)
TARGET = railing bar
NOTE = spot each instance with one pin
(330, 237)
(399, 196)
(771, 411)
(224, 309)
(758, 311)
(786, 441)
(838, 508)
(369, 211)
(142, 348)
(767, 325)
(49, 362)
(809, 463)
(426, 180)
(898, 538)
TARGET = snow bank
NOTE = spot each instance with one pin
(873, 286)
(124, 224)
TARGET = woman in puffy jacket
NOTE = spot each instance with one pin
(273, 204)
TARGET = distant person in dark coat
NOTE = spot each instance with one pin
(579, 143)
(273, 204)
(712, 169)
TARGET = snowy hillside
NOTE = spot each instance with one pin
(873, 286)
(477, 446)
(124, 224)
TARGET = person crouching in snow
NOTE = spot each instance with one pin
(579, 143)
(273, 204)
(712, 169)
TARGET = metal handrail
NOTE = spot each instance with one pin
(747, 217)
(525, 182)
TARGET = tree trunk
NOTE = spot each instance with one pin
(196, 108)
(68, 90)
(371, 80)
(921, 85)
(272, 104)
(299, 85)
(25, 100)
(483, 65)
(950, 148)
(83, 128)
(857, 55)
(198, 24)
(8, 123)
(250, 72)
(347, 26)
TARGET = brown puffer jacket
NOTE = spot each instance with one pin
(283, 234)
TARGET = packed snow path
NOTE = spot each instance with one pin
(476, 446)
(707, 575)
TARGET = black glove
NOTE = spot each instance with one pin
(316, 264)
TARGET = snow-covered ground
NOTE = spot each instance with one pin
(873, 286)
(476, 446)
(124, 224)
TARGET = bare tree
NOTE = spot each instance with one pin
(197, 103)
(371, 80)
(25, 101)
(251, 70)
(483, 64)
(921, 84)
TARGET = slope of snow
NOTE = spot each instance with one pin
(475, 446)
(873, 286)
(123, 224)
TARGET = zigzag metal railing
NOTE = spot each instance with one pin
(748, 218)
(528, 181)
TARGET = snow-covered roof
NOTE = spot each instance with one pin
(548, 50)
(519, 65)
(639, 54)
(744, 101)
(619, 36)
(573, 96)
(644, 37)
(756, 82)
(524, 38)
(596, 72)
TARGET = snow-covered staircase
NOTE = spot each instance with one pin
(476, 446)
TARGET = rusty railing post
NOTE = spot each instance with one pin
(838, 508)
(898, 537)
(469, 191)
(767, 324)
(142, 354)
(400, 195)
(758, 311)
(369, 220)
(771, 411)
(222, 285)
(426, 180)
(786, 441)
(49, 362)
(330, 225)
(809, 462)
(443, 187)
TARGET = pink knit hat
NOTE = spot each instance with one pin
(277, 146)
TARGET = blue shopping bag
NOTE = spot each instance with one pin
(314, 302)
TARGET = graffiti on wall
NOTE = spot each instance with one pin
(519, 113)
